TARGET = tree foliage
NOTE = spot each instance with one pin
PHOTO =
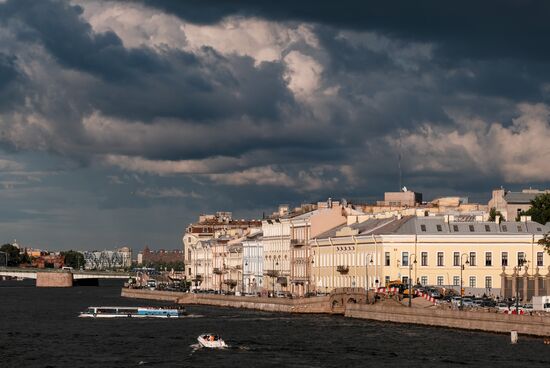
(540, 209)
(12, 252)
(493, 213)
(545, 242)
(73, 259)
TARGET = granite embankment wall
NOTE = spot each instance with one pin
(387, 311)
(54, 279)
(483, 321)
(309, 305)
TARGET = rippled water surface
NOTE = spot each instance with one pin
(40, 328)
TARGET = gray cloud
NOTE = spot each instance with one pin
(254, 104)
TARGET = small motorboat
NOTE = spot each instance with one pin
(212, 341)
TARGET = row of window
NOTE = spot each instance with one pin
(470, 258)
(472, 228)
(440, 281)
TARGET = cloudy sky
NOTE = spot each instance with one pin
(122, 121)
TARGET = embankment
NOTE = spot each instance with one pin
(309, 305)
(482, 321)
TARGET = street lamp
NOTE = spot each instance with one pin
(520, 265)
(242, 274)
(274, 277)
(461, 282)
(410, 280)
(367, 273)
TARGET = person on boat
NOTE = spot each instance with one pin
(212, 338)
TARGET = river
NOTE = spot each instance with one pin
(39, 328)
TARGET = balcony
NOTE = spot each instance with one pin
(197, 278)
(230, 282)
(272, 273)
(297, 242)
(218, 271)
(342, 269)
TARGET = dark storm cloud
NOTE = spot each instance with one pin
(463, 29)
(143, 84)
(11, 79)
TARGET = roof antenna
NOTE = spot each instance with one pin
(399, 164)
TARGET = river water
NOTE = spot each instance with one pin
(39, 328)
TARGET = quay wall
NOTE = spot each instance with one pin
(54, 279)
(482, 321)
(309, 305)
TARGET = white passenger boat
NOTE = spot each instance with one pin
(212, 341)
(134, 312)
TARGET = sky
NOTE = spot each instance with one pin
(122, 121)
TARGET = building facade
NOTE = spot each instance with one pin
(441, 251)
(253, 262)
(511, 204)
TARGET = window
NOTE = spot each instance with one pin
(488, 259)
(456, 259)
(472, 258)
(505, 259)
(504, 228)
(521, 258)
(439, 259)
(471, 227)
(520, 229)
(387, 258)
(423, 228)
(387, 280)
(472, 281)
(405, 280)
(455, 228)
(488, 282)
(439, 228)
(540, 259)
(424, 258)
(405, 258)
(424, 280)
(487, 228)
(440, 280)
(456, 280)
(539, 229)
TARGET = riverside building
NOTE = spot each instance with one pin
(432, 250)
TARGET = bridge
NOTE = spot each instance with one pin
(61, 278)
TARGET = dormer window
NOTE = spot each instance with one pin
(504, 228)
(471, 228)
(487, 228)
(439, 228)
(455, 228)
(423, 228)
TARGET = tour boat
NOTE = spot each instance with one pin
(134, 312)
(212, 341)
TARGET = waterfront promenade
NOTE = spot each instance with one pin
(387, 311)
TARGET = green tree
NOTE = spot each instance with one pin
(73, 259)
(493, 213)
(14, 258)
(540, 209)
(545, 242)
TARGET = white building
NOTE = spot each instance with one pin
(253, 270)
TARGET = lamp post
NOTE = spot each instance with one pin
(274, 274)
(242, 276)
(461, 281)
(410, 280)
(520, 265)
(367, 273)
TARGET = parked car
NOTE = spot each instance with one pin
(467, 302)
(502, 307)
(527, 307)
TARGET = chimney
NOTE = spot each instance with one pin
(446, 219)
(497, 219)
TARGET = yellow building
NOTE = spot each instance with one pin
(432, 251)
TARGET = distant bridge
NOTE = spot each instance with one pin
(59, 278)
